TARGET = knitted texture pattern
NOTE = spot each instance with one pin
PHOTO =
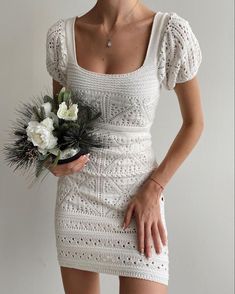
(91, 204)
(180, 55)
(56, 53)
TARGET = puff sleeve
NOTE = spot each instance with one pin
(56, 52)
(180, 54)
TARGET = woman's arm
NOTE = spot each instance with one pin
(145, 205)
(56, 87)
(188, 94)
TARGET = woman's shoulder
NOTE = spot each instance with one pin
(174, 19)
(58, 26)
(56, 50)
(178, 28)
(179, 52)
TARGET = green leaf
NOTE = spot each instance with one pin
(47, 98)
(55, 118)
(43, 113)
(40, 165)
(57, 158)
(67, 95)
(37, 113)
(42, 156)
(60, 96)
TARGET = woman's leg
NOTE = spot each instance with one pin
(139, 286)
(77, 281)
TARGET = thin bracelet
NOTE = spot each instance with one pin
(157, 183)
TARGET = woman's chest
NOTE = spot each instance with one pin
(142, 82)
(123, 99)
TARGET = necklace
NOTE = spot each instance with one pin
(109, 41)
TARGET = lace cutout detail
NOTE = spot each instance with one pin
(179, 54)
(110, 249)
(56, 52)
(116, 178)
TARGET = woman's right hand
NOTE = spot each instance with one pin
(70, 167)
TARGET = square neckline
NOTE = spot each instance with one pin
(113, 74)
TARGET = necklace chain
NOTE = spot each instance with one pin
(109, 42)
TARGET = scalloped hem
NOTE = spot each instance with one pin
(134, 273)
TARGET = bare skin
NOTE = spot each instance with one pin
(77, 281)
(69, 168)
(145, 206)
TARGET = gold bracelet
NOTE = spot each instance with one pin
(157, 183)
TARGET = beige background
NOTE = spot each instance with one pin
(199, 198)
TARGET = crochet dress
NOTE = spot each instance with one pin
(91, 204)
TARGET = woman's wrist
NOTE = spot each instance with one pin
(154, 187)
(158, 177)
(157, 182)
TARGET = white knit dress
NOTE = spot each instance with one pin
(91, 204)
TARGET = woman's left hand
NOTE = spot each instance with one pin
(145, 206)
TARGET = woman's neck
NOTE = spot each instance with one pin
(116, 11)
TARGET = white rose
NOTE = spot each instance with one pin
(47, 107)
(40, 134)
(67, 114)
(48, 123)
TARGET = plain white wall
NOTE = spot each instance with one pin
(199, 198)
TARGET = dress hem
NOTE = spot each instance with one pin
(117, 272)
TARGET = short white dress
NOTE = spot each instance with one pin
(91, 204)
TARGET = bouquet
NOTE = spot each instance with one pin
(51, 131)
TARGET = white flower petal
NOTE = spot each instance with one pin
(40, 134)
(47, 107)
(48, 123)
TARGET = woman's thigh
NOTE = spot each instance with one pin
(139, 286)
(76, 281)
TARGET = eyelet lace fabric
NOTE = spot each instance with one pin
(56, 52)
(90, 204)
(180, 54)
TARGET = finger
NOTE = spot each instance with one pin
(128, 215)
(80, 161)
(61, 172)
(162, 232)
(147, 239)
(71, 167)
(79, 166)
(75, 165)
(156, 238)
(140, 235)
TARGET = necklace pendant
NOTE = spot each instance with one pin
(109, 43)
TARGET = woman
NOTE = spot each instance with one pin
(117, 57)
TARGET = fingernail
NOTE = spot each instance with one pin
(142, 251)
(123, 226)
